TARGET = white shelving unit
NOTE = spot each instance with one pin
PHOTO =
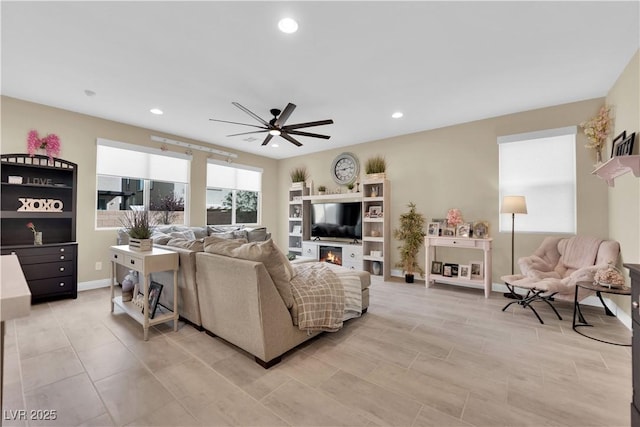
(298, 217)
(376, 231)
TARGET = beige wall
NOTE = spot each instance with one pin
(78, 134)
(457, 166)
(624, 198)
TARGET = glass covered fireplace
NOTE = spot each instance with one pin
(331, 254)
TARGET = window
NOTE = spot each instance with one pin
(542, 167)
(136, 177)
(233, 194)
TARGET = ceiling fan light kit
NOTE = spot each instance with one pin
(276, 126)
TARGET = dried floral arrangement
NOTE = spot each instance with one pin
(598, 128)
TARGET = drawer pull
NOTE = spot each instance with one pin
(61, 256)
(61, 249)
(353, 255)
(132, 262)
(115, 256)
(13, 252)
(61, 268)
(61, 284)
(635, 304)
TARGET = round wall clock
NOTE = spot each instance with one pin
(345, 168)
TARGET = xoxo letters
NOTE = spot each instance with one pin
(40, 205)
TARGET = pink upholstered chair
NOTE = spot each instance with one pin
(556, 266)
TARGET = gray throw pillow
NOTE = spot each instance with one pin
(186, 234)
(221, 246)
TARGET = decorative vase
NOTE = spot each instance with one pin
(37, 238)
(376, 267)
(374, 192)
(127, 286)
(598, 157)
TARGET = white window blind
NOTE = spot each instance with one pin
(134, 161)
(233, 177)
(542, 167)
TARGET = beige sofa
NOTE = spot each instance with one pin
(239, 302)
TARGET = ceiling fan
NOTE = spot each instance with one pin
(276, 127)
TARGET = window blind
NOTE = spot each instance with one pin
(542, 167)
(134, 161)
(233, 177)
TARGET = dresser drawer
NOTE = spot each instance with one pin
(47, 270)
(41, 250)
(39, 259)
(51, 286)
(352, 254)
(456, 241)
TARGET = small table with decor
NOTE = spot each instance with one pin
(578, 318)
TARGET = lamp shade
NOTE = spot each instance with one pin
(514, 205)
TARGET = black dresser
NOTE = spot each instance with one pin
(634, 272)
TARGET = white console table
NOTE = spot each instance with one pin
(145, 263)
(484, 245)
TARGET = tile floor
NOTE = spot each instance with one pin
(443, 356)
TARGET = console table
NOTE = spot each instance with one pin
(145, 263)
(431, 242)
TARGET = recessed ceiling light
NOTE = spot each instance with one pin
(89, 92)
(397, 115)
(156, 111)
(288, 25)
(274, 145)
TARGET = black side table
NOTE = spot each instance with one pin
(599, 290)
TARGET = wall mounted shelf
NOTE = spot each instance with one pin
(618, 166)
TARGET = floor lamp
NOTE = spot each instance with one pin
(513, 205)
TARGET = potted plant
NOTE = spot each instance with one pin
(375, 167)
(322, 189)
(350, 186)
(298, 177)
(140, 228)
(411, 232)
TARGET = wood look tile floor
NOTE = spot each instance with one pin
(443, 356)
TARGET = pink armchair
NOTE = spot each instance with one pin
(556, 266)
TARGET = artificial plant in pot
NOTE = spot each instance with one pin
(411, 233)
(299, 176)
(375, 167)
(322, 189)
(139, 226)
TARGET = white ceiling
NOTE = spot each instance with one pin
(441, 63)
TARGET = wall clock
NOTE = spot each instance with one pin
(345, 168)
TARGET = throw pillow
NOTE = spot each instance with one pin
(221, 246)
(193, 245)
(223, 235)
(160, 238)
(186, 234)
(256, 234)
(276, 263)
(200, 232)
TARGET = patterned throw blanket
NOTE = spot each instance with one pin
(319, 298)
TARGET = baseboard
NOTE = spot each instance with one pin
(93, 284)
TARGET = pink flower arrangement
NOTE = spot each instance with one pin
(454, 217)
(31, 227)
(50, 143)
(598, 128)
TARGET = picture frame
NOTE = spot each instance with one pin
(450, 270)
(446, 270)
(449, 231)
(442, 221)
(375, 211)
(617, 140)
(464, 229)
(481, 230)
(464, 271)
(297, 229)
(625, 148)
(436, 267)
(477, 270)
(433, 229)
(155, 289)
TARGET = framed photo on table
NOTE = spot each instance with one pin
(481, 230)
(433, 229)
(436, 267)
(464, 271)
(464, 229)
(625, 147)
(477, 270)
(154, 295)
(617, 141)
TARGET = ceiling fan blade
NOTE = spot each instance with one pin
(236, 123)
(290, 139)
(301, 133)
(248, 133)
(308, 124)
(282, 118)
(249, 112)
(267, 139)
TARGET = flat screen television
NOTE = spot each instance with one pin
(336, 220)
